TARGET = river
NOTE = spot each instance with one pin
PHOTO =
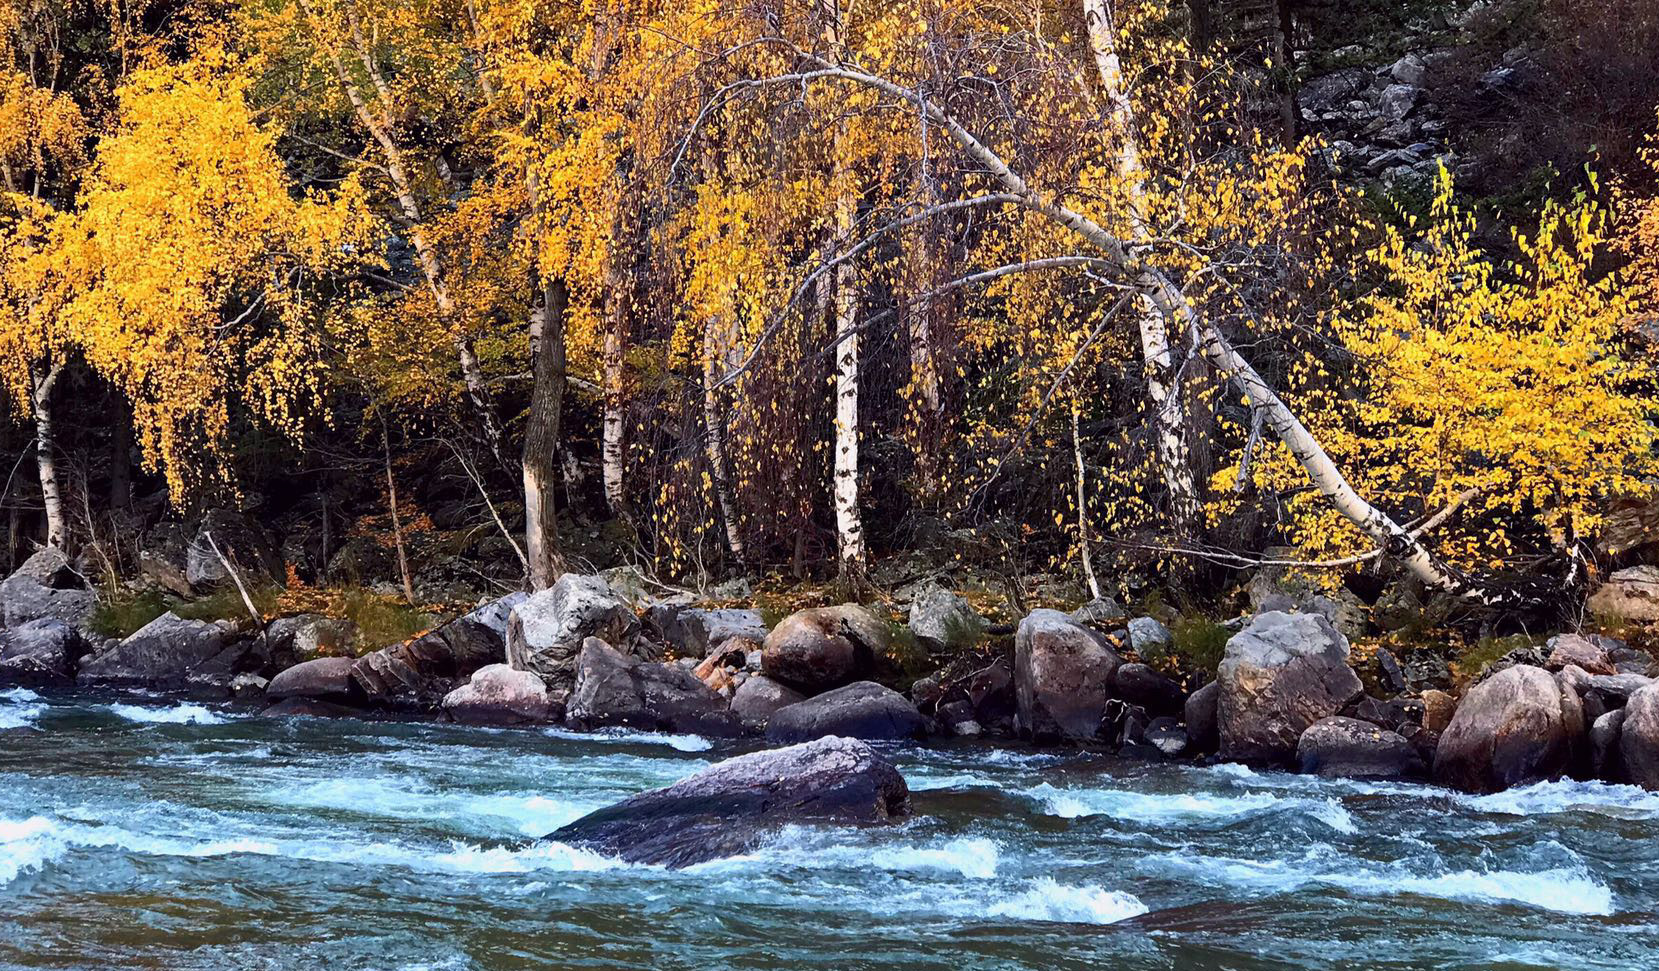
(154, 834)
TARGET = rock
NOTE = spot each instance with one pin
(1140, 685)
(991, 692)
(1279, 675)
(241, 540)
(1348, 748)
(695, 631)
(420, 673)
(1391, 715)
(731, 807)
(1101, 612)
(953, 716)
(1062, 674)
(1438, 708)
(944, 621)
(1390, 673)
(1329, 91)
(1601, 693)
(499, 695)
(546, 630)
(1632, 528)
(26, 598)
(1629, 594)
(160, 654)
(50, 566)
(863, 709)
(1605, 735)
(616, 690)
(1517, 727)
(306, 636)
(758, 697)
(824, 647)
(1410, 70)
(40, 652)
(322, 679)
(1167, 736)
(308, 708)
(1568, 649)
(1149, 638)
(1639, 738)
(1201, 717)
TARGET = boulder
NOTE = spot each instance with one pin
(1200, 714)
(50, 566)
(160, 654)
(418, 674)
(944, 621)
(499, 695)
(1629, 594)
(758, 697)
(305, 636)
(241, 540)
(1101, 612)
(1062, 675)
(616, 690)
(1167, 736)
(1279, 675)
(862, 709)
(1438, 708)
(1605, 736)
(546, 630)
(1139, 684)
(1348, 748)
(729, 808)
(1149, 638)
(40, 652)
(824, 647)
(1517, 727)
(1639, 738)
(26, 598)
(1390, 672)
(1601, 693)
(991, 692)
(1568, 649)
(695, 631)
(321, 679)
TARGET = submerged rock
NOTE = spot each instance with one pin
(615, 690)
(864, 710)
(728, 808)
(1062, 675)
(1517, 727)
(546, 630)
(1348, 748)
(499, 695)
(1280, 674)
(824, 647)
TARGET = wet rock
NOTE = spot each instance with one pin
(1062, 675)
(160, 654)
(1149, 638)
(1348, 748)
(1639, 738)
(417, 675)
(1629, 594)
(863, 710)
(1139, 684)
(499, 695)
(824, 647)
(308, 708)
(1517, 727)
(546, 630)
(1168, 737)
(731, 807)
(695, 631)
(1279, 675)
(324, 679)
(944, 621)
(40, 652)
(1201, 717)
(1572, 649)
(758, 697)
(616, 690)
(1605, 735)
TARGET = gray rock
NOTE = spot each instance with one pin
(1168, 737)
(1573, 649)
(546, 630)
(616, 690)
(26, 599)
(731, 807)
(1348, 748)
(863, 709)
(1141, 685)
(1102, 612)
(1517, 727)
(1410, 70)
(1279, 675)
(944, 621)
(1639, 738)
(499, 695)
(1392, 675)
(306, 636)
(1629, 594)
(1201, 717)
(321, 679)
(160, 654)
(824, 647)
(241, 540)
(1062, 675)
(1398, 100)
(418, 674)
(1149, 638)
(695, 631)
(1605, 736)
(1327, 92)
(40, 652)
(758, 697)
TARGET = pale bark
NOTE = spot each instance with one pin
(51, 492)
(541, 440)
(1083, 549)
(849, 521)
(612, 448)
(717, 351)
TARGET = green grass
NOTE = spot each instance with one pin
(1198, 643)
(126, 612)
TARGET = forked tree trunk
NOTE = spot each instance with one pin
(541, 439)
(51, 493)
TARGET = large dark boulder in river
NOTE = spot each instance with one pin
(158, 655)
(1519, 726)
(545, 632)
(758, 697)
(614, 690)
(1639, 738)
(729, 808)
(322, 679)
(1349, 748)
(1062, 677)
(1140, 684)
(1200, 713)
(499, 695)
(824, 647)
(1279, 675)
(862, 709)
(40, 652)
(420, 673)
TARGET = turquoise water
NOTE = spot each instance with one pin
(150, 834)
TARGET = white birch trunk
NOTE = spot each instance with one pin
(849, 523)
(51, 493)
(717, 349)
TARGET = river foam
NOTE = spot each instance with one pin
(1184, 808)
(1046, 899)
(621, 736)
(182, 714)
(19, 708)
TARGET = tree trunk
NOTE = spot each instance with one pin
(717, 345)
(120, 454)
(541, 440)
(51, 493)
(612, 449)
(1083, 550)
(849, 524)
(397, 525)
(1284, 58)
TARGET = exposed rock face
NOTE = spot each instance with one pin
(758, 697)
(1149, 637)
(420, 673)
(1606, 763)
(1438, 708)
(863, 710)
(1339, 747)
(944, 621)
(824, 647)
(616, 690)
(1140, 685)
(322, 679)
(1062, 675)
(1200, 713)
(695, 631)
(728, 808)
(242, 540)
(1517, 727)
(45, 586)
(545, 631)
(1568, 649)
(1629, 594)
(305, 636)
(160, 654)
(1280, 674)
(499, 695)
(40, 652)
(1639, 738)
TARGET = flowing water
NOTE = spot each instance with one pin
(153, 834)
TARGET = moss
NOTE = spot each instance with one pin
(226, 604)
(1468, 663)
(381, 620)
